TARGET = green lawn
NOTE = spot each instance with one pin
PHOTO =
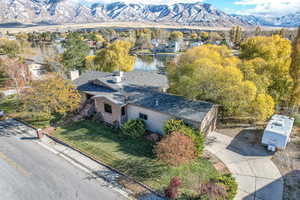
(13, 108)
(133, 156)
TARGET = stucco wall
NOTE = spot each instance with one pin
(108, 117)
(155, 121)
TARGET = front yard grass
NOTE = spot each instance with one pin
(133, 157)
(14, 109)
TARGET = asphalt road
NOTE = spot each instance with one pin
(30, 172)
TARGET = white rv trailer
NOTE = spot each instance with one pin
(277, 133)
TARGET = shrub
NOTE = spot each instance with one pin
(230, 184)
(134, 128)
(172, 190)
(176, 149)
(212, 191)
(196, 136)
(173, 125)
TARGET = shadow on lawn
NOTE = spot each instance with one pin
(93, 132)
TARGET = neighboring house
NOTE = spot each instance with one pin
(171, 47)
(37, 69)
(119, 97)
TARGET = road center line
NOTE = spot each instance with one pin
(14, 164)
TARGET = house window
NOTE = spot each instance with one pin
(107, 108)
(143, 116)
(123, 111)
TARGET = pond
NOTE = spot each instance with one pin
(153, 63)
(143, 63)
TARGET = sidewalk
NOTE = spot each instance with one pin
(78, 159)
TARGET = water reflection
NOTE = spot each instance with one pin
(143, 63)
(152, 63)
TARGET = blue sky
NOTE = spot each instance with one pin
(255, 7)
(229, 5)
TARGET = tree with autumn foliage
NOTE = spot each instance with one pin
(176, 36)
(115, 57)
(17, 72)
(212, 73)
(52, 96)
(176, 149)
(295, 72)
(274, 55)
(9, 47)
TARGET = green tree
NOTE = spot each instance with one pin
(236, 35)
(295, 72)
(115, 57)
(51, 96)
(75, 52)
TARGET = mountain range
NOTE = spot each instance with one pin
(192, 14)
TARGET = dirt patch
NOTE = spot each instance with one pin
(288, 163)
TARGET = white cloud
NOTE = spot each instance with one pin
(270, 7)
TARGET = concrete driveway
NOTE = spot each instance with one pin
(257, 176)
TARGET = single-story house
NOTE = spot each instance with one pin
(122, 96)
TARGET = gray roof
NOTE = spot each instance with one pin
(133, 92)
(176, 106)
(134, 78)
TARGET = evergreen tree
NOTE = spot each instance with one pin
(236, 36)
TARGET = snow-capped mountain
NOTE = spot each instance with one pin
(67, 11)
(291, 20)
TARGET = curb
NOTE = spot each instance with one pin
(93, 159)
